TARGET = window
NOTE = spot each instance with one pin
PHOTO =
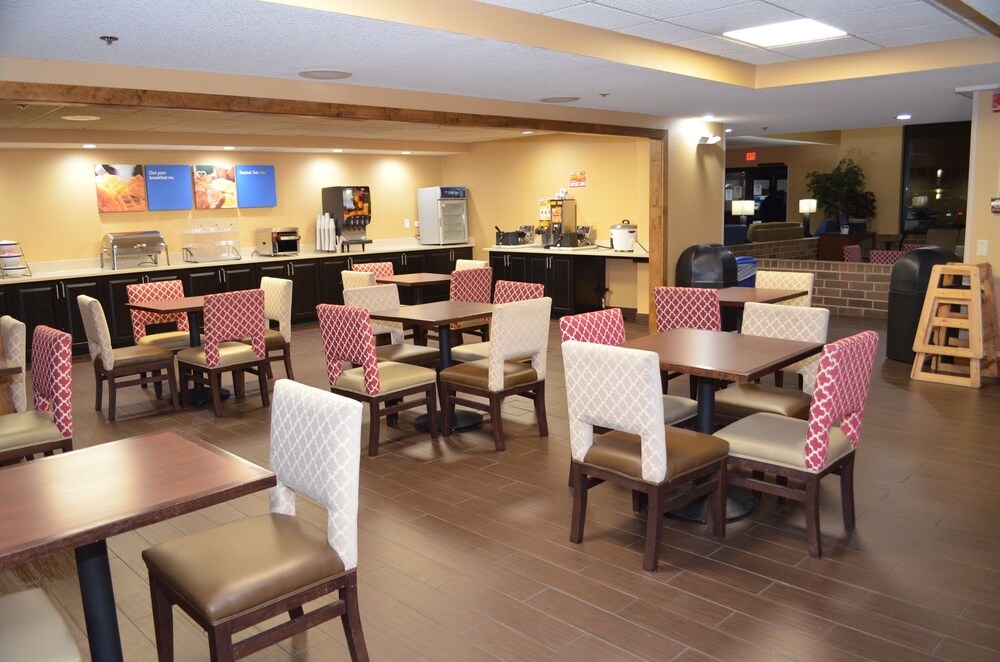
(935, 175)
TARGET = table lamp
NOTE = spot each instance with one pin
(743, 208)
(806, 207)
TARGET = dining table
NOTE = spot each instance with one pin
(415, 282)
(77, 500)
(735, 298)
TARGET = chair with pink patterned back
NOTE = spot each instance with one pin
(347, 337)
(507, 291)
(229, 317)
(906, 248)
(380, 269)
(686, 308)
(49, 425)
(473, 285)
(809, 450)
(852, 253)
(877, 256)
(176, 340)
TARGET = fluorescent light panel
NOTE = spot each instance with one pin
(784, 34)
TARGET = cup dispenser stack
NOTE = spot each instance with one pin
(349, 207)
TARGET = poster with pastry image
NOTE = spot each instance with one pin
(120, 187)
(214, 186)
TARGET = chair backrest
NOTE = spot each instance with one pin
(518, 329)
(879, 256)
(52, 375)
(347, 336)
(842, 381)
(687, 308)
(278, 303)
(380, 269)
(234, 316)
(788, 280)
(378, 297)
(95, 324)
(852, 253)
(911, 247)
(617, 388)
(461, 264)
(471, 285)
(316, 450)
(352, 279)
(161, 289)
(14, 336)
(507, 291)
(605, 327)
(792, 323)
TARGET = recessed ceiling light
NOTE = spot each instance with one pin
(729, 130)
(88, 145)
(81, 118)
(708, 118)
(324, 74)
(559, 99)
(337, 151)
(904, 116)
(406, 152)
(784, 34)
(527, 133)
(229, 148)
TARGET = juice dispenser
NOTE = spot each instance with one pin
(350, 209)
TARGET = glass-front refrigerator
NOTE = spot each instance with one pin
(443, 215)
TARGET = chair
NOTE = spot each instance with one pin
(619, 388)
(852, 253)
(238, 575)
(519, 329)
(14, 336)
(229, 316)
(474, 285)
(153, 291)
(148, 364)
(352, 279)
(461, 264)
(48, 426)
(809, 450)
(380, 269)
(686, 308)
(507, 291)
(775, 321)
(384, 297)
(278, 308)
(32, 629)
(607, 327)
(788, 280)
(347, 336)
(879, 256)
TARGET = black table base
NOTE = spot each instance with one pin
(461, 420)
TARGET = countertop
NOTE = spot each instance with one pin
(637, 254)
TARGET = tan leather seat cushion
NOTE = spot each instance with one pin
(137, 355)
(26, 428)
(740, 400)
(778, 440)
(406, 353)
(228, 570)
(230, 353)
(469, 352)
(476, 374)
(272, 338)
(677, 409)
(32, 629)
(687, 450)
(391, 376)
(169, 340)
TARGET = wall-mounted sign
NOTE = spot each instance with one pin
(120, 187)
(256, 186)
(995, 205)
(578, 179)
(751, 156)
(214, 187)
(169, 187)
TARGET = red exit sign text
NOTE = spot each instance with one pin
(751, 156)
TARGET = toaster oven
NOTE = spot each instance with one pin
(277, 241)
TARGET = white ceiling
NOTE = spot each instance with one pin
(265, 39)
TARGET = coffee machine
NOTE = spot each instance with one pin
(350, 209)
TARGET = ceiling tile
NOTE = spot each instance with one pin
(597, 16)
(827, 47)
(667, 33)
(733, 50)
(737, 17)
(668, 8)
(821, 8)
(888, 18)
(533, 6)
(910, 35)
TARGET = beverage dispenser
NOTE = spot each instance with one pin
(557, 222)
(350, 209)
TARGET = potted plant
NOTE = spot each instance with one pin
(842, 191)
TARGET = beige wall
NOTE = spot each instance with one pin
(878, 151)
(984, 183)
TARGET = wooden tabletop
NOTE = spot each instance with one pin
(86, 495)
(165, 306)
(415, 280)
(437, 313)
(9, 367)
(722, 355)
(737, 297)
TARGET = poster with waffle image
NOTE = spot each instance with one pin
(120, 187)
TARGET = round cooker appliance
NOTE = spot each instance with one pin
(623, 236)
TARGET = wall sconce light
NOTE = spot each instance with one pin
(709, 140)
(807, 206)
(743, 208)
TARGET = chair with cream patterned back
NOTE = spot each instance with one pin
(236, 576)
(474, 285)
(48, 426)
(380, 269)
(852, 253)
(788, 280)
(144, 364)
(385, 297)
(461, 264)
(352, 279)
(506, 291)
(619, 389)
(278, 308)
(686, 308)
(13, 335)
(31, 628)
(773, 321)
(229, 317)
(347, 337)
(175, 340)
(809, 450)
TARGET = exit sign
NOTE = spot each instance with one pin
(751, 156)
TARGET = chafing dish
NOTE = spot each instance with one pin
(146, 244)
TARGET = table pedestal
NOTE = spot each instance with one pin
(98, 596)
(461, 419)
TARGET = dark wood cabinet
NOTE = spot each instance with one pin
(114, 296)
(305, 289)
(575, 283)
(212, 280)
(53, 303)
(330, 282)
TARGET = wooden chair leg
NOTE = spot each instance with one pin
(295, 612)
(373, 427)
(98, 389)
(265, 396)
(654, 527)
(157, 385)
(812, 517)
(779, 379)
(847, 492)
(112, 398)
(216, 388)
(432, 410)
(163, 622)
(639, 501)
(783, 481)
(351, 620)
(142, 375)
(496, 420)
(239, 382)
(392, 420)
(220, 644)
(172, 379)
(182, 378)
(288, 363)
(446, 407)
(759, 476)
(543, 421)
(716, 515)
(579, 482)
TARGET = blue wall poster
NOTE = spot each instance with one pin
(255, 186)
(169, 187)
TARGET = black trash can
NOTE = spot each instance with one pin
(709, 265)
(907, 289)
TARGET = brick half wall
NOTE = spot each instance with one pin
(846, 288)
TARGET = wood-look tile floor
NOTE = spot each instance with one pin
(465, 552)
